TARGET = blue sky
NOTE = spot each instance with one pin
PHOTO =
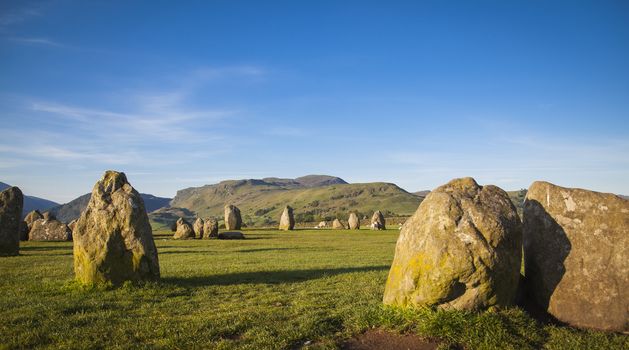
(414, 93)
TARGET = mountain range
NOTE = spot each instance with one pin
(32, 203)
(72, 210)
(313, 197)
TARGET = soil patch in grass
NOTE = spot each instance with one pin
(378, 339)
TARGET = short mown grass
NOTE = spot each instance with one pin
(275, 290)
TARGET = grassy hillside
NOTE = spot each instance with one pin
(261, 202)
(274, 290)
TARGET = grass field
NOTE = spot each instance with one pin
(275, 290)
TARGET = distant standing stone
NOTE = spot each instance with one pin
(11, 202)
(113, 240)
(377, 221)
(322, 224)
(184, 230)
(461, 249)
(353, 221)
(198, 228)
(233, 221)
(32, 217)
(576, 250)
(210, 229)
(48, 228)
(338, 225)
(287, 221)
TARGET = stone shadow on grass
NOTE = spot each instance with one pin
(266, 277)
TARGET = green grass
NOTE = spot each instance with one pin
(275, 290)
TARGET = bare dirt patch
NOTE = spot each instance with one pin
(379, 339)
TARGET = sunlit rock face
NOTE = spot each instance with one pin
(460, 250)
(113, 240)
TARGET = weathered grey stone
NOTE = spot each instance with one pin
(377, 221)
(113, 240)
(576, 251)
(287, 221)
(49, 229)
(11, 202)
(231, 235)
(210, 229)
(198, 228)
(233, 221)
(353, 221)
(184, 230)
(338, 225)
(461, 249)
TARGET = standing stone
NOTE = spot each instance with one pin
(233, 221)
(287, 221)
(353, 221)
(210, 228)
(11, 202)
(576, 252)
(72, 225)
(184, 230)
(32, 217)
(48, 228)
(198, 228)
(28, 222)
(113, 240)
(377, 221)
(461, 249)
(338, 225)
(322, 224)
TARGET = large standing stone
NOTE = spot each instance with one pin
(113, 240)
(353, 221)
(210, 229)
(184, 230)
(11, 202)
(576, 251)
(287, 221)
(198, 228)
(377, 221)
(48, 228)
(233, 221)
(461, 249)
(338, 225)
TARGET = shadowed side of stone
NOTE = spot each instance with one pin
(576, 252)
(113, 240)
(11, 202)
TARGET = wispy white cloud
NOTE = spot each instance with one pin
(37, 41)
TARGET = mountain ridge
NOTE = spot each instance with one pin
(31, 202)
